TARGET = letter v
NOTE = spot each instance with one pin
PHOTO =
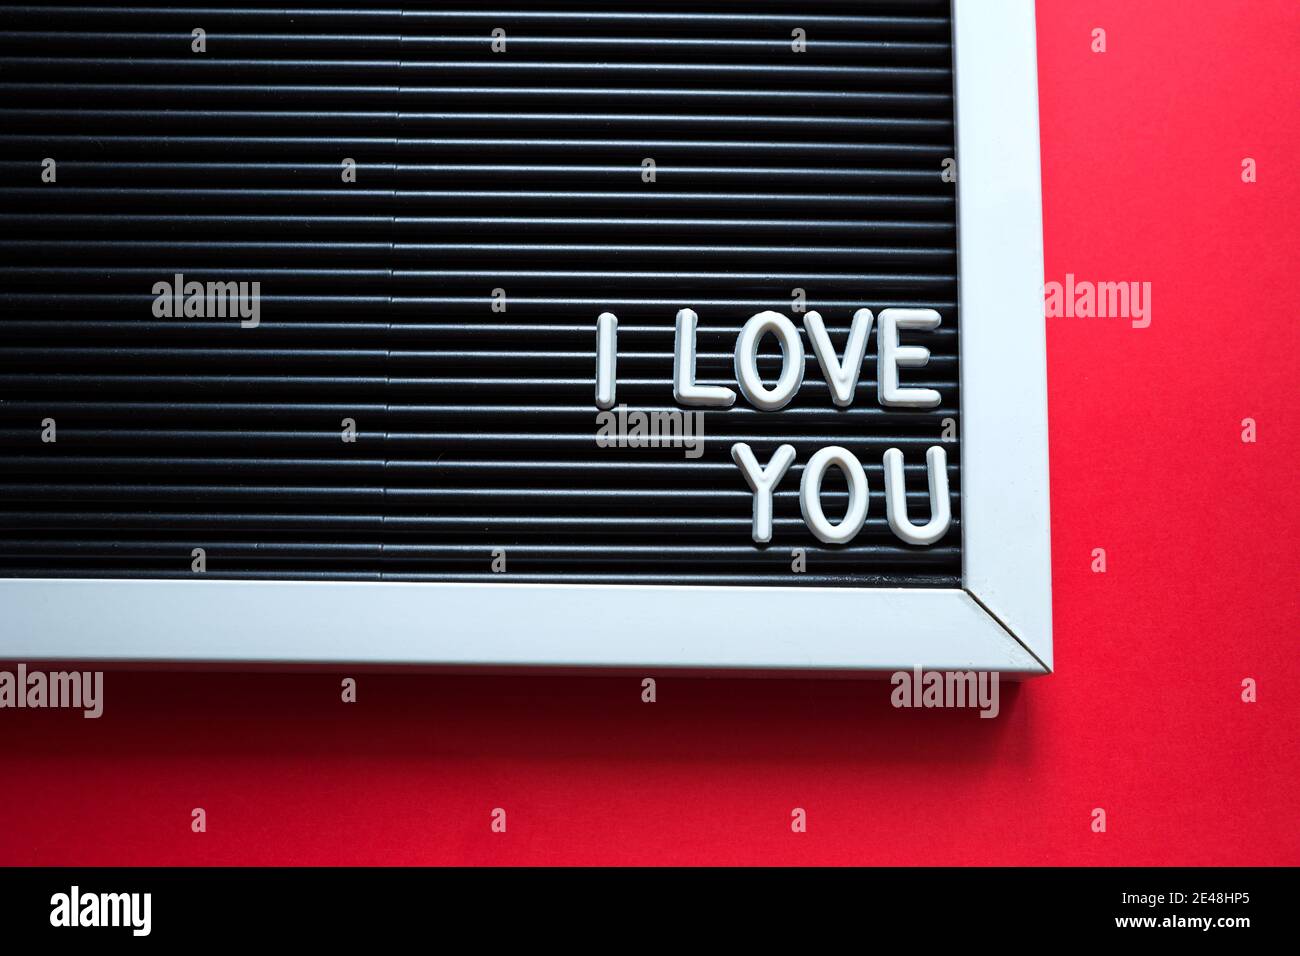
(842, 379)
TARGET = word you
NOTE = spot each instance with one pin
(78, 690)
(179, 299)
(842, 374)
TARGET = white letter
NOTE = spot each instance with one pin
(762, 480)
(141, 913)
(936, 462)
(59, 912)
(894, 356)
(684, 388)
(810, 489)
(606, 358)
(843, 379)
(751, 384)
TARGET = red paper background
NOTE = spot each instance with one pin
(1142, 152)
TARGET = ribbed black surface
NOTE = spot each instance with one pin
(477, 170)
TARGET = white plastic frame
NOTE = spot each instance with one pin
(999, 620)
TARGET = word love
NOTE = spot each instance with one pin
(842, 375)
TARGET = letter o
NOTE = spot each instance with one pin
(810, 490)
(751, 384)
